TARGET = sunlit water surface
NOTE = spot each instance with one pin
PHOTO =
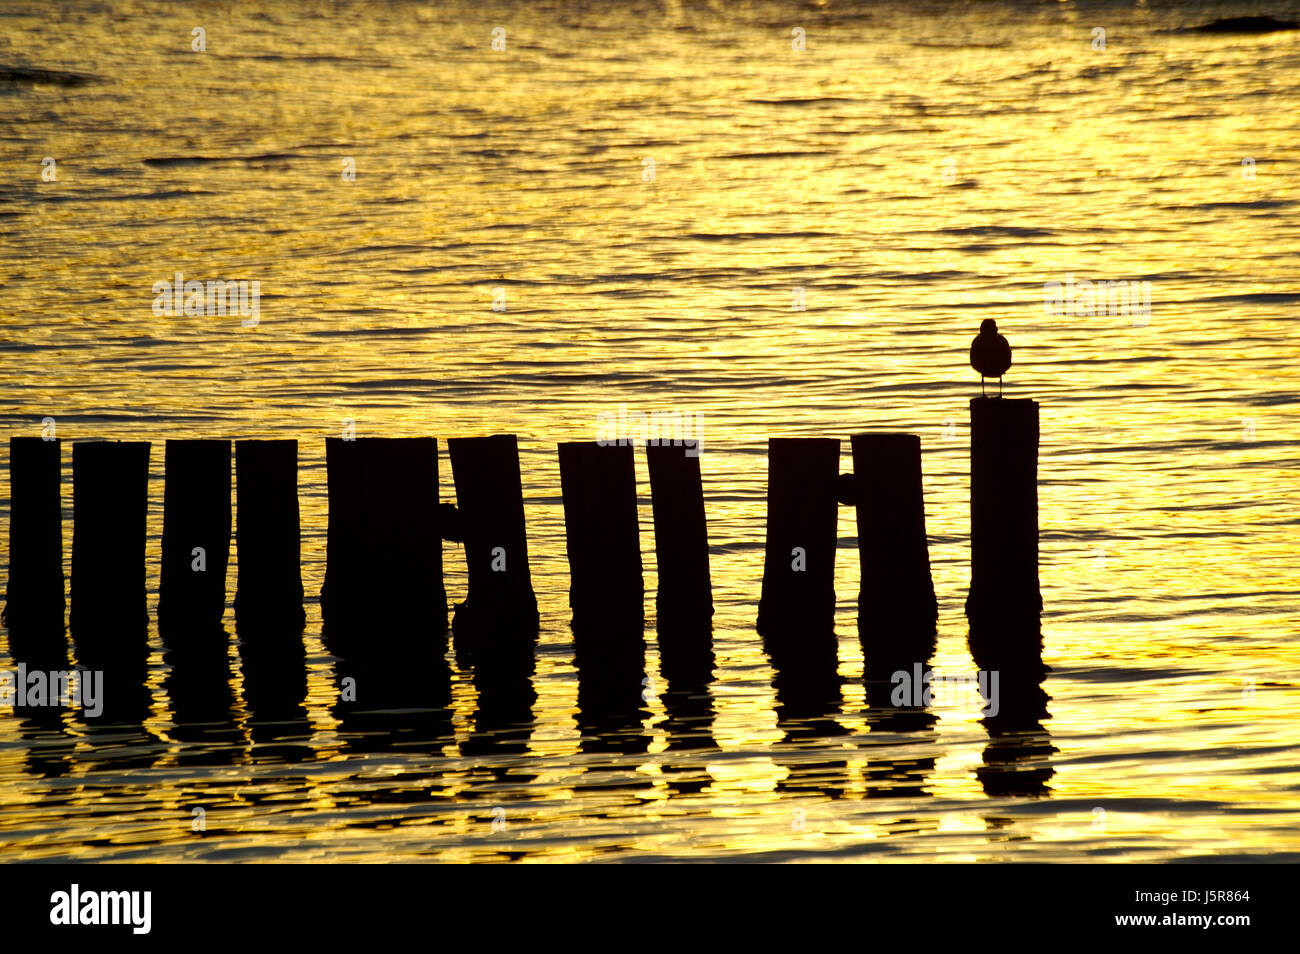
(915, 169)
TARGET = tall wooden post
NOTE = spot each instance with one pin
(490, 506)
(34, 600)
(268, 537)
(1004, 510)
(897, 610)
(796, 613)
(109, 615)
(684, 602)
(602, 532)
(195, 538)
(802, 523)
(383, 577)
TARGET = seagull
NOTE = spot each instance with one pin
(990, 354)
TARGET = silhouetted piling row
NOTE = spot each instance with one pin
(383, 590)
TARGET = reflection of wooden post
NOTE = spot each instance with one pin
(34, 597)
(802, 522)
(1004, 510)
(383, 574)
(196, 534)
(109, 615)
(897, 611)
(606, 590)
(490, 505)
(268, 537)
(269, 614)
(598, 483)
(685, 597)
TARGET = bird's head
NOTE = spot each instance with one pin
(988, 327)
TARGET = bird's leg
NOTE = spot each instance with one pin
(981, 385)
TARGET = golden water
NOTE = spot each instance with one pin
(915, 169)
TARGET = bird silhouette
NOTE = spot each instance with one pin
(990, 354)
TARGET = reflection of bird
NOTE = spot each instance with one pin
(990, 354)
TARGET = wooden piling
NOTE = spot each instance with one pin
(269, 614)
(598, 484)
(195, 537)
(1004, 511)
(802, 522)
(34, 600)
(383, 575)
(684, 601)
(109, 616)
(490, 506)
(268, 537)
(897, 610)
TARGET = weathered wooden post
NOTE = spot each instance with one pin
(606, 590)
(192, 590)
(490, 505)
(897, 610)
(684, 602)
(684, 611)
(195, 537)
(34, 601)
(1005, 605)
(383, 576)
(598, 484)
(268, 537)
(495, 629)
(1004, 511)
(109, 615)
(796, 613)
(269, 614)
(802, 523)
